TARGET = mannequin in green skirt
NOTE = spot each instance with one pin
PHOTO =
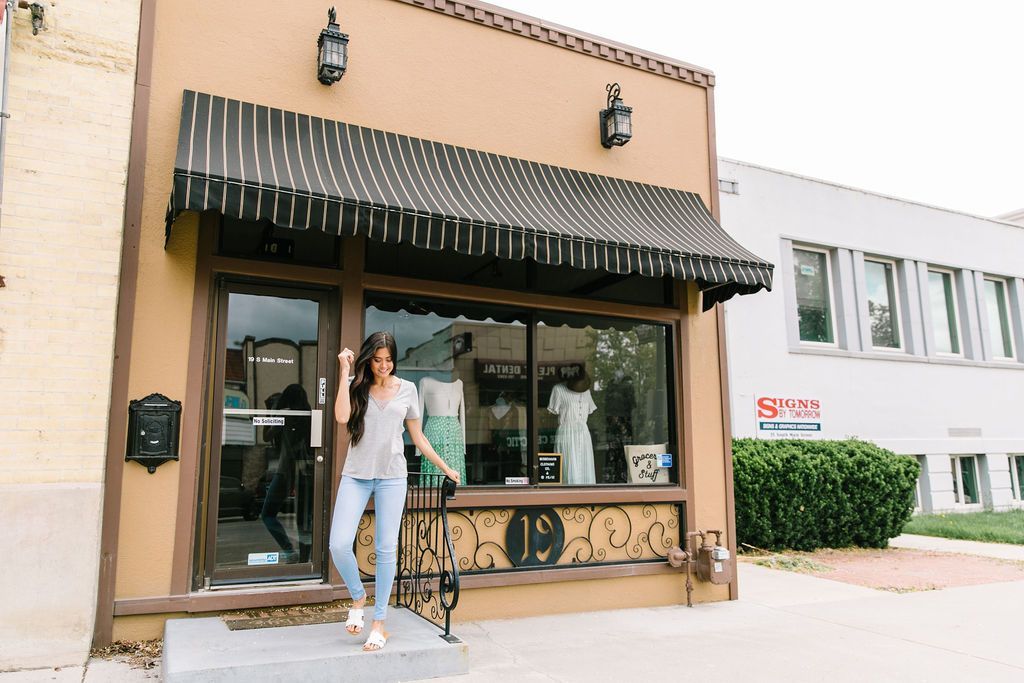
(445, 423)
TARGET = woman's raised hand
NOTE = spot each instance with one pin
(346, 357)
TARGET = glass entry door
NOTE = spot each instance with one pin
(265, 515)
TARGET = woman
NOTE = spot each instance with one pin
(375, 407)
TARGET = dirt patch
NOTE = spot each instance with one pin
(140, 654)
(276, 617)
(900, 570)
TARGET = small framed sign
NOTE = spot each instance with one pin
(549, 468)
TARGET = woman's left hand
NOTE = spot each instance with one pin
(453, 475)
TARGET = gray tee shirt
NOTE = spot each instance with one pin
(380, 454)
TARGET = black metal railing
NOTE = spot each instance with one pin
(428, 572)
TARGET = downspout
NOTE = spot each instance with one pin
(8, 11)
(38, 13)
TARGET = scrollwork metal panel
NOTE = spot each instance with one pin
(510, 539)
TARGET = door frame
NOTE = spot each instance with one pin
(327, 296)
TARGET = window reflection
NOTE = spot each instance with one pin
(469, 364)
(814, 302)
(604, 406)
(881, 290)
(944, 313)
(265, 501)
(603, 392)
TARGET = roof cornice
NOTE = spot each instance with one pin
(526, 26)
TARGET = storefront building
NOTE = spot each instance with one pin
(553, 299)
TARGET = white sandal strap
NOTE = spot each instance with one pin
(355, 617)
(376, 639)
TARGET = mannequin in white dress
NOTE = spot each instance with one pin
(573, 438)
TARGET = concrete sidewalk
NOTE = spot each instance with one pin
(1002, 551)
(786, 627)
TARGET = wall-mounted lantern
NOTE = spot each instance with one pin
(616, 123)
(331, 51)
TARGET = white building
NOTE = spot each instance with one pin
(902, 321)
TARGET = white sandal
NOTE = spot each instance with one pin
(377, 639)
(355, 618)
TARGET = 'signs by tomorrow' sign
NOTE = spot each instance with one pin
(784, 417)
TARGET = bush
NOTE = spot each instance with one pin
(804, 495)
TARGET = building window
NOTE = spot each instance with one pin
(965, 479)
(918, 498)
(1017, 476)
(999, 333)
(945, 316)
(603, 392)
(812, 274)
(728, 186)
(883, 308)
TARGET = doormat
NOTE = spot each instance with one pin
(327, 613)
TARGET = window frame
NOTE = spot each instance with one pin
(1016, 485)
(958, 481)
(830, 282)
(956, 326)
(1008, 310)
(922, 461)
(897, 310)
(532, 314)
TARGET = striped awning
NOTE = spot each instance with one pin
(300, 171)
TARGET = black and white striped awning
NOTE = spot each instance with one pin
(300, 171)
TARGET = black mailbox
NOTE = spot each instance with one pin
(153, 425)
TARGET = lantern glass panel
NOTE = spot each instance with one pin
(622, 123)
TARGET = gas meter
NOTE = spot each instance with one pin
(714, 562)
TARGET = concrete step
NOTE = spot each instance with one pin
(206, 651)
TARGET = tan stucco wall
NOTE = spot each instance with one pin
(415, 72)
(511, 602)
(66, 157)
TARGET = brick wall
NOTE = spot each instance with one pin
(70, 100)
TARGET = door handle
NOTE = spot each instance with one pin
(316, 428)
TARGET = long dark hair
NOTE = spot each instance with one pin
(359, 390)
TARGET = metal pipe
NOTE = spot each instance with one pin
(691, 542)
(8, 18)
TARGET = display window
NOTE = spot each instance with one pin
(515, 397)
(603, 394)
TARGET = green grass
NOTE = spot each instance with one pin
(991, 527)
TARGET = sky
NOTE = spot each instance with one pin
(919, 100)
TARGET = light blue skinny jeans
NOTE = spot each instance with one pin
(388, 503)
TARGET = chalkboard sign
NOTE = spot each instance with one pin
(549, 468)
